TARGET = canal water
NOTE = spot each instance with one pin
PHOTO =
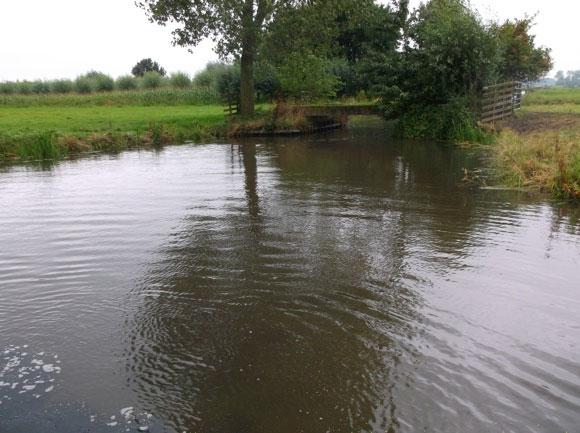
(336, 283)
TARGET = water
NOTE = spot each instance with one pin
(341, 283)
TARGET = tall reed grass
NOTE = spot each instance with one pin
(163, 96)
(548, 161)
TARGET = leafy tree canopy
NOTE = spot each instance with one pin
(147, 65)
(521, 59)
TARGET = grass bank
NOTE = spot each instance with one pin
(33, 132)
(540, 148)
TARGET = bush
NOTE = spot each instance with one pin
(40, 87)
(228, 83)
(450, 122)
(103, 83)
(83, 85)
(210, 76)
(152, 80)
(180, 80)
(24, 87)
(307, 76)
(7, 88)
(61, 86)
(266, 81)
(126, 82)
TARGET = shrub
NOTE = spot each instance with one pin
(228, 82)
(61, 86)
(126, 82)
(307, 75)
(266, 81)
(180, 80)
(7, 88)
(40, 87)
(83, 85)
(152, 80)
(449, 122)
(209, 77)
(24, 87)
(103, 83)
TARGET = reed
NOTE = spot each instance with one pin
(546, 161)
(163, 96)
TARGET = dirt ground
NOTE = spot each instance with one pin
(526, 123)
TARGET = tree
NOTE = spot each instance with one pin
(235, 25)
(521, 59)
(147, 65)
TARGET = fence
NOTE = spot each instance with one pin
(500, 101)
(232, 105)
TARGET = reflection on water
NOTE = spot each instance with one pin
(335, 284)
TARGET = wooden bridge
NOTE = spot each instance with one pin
(339, 111)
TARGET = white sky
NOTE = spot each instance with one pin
(63, 38)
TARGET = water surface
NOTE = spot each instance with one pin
(339, 283)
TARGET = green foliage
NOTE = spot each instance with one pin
(61, 86)
(266, 81)
(307, 76)
(208, 77)
(450, 53)
(84, 85)
(147, 65)
(228, 83)
(152, 80)
(101, 82)
(8, 88)
(126, 82)
(163, 96)
(41, 147)
(24, 87)
(347, 77)
(449, 122)
(40, 87)
(180, 80)
(520, 58)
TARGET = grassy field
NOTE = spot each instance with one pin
(34, 132)
(553, 96)
(540, 148)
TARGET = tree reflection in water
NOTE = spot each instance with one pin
(292, 305)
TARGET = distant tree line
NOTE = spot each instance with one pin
(568, 79)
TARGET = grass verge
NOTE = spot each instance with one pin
(53, 132)
(540, 148)
(546, 161)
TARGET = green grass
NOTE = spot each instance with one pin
(548, 161)
(545, 154)
(51, 132)
(551, 108)
(163, 96)
(553, 96)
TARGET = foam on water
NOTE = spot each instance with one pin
(24, 372)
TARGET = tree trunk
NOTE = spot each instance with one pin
(247, 83)
(248, 55)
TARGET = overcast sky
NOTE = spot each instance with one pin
(64, 38)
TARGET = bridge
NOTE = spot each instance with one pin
(339, 111)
